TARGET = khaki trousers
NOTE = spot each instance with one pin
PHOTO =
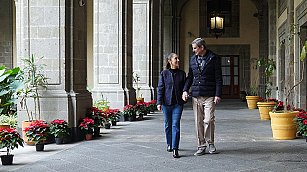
(204, 108)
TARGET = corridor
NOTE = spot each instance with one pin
(243, 141)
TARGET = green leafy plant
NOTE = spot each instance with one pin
(10, 83)
(38, 131)
(34, 80)
(136, 80)
(59, 128)
(269, 66)
(129, 110)
(87, 125)
(9, 119)
(10, 139)
(142, 108)
(102, 104)
(301, 121)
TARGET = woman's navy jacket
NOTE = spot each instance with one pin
(166, 86)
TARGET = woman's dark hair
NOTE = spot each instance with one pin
(167, 58)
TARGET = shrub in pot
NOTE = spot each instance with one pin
(9, 139)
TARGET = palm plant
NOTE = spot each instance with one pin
(34, 79)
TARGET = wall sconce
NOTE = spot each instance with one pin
(216, 24)
(81, 3)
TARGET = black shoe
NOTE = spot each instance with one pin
(175, 153)
(169, 149)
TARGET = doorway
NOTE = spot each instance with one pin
(230, 74)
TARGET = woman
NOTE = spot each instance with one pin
(170, 88)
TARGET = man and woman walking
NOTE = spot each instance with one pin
(205, 79)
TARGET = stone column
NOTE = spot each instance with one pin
(113, 52)
(272, 41)
(141, 50)
(156, 51)
(263, 43)
(6, 33)
(57, 31)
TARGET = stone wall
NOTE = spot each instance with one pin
(6, 33)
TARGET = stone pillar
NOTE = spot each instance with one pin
(141, 50)
(57, 31)
(6, 33)
(289, 58)
(263, 41)
(167, 28)
(156, 51)
(113, 52)
(272, 42)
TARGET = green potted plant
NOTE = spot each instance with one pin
(87, 126)
(8, 120)
(136, 80)
(115, 115)
(267, 104)
(38, 132)
(34, 80)
(152, 106)
(10, 83)
(252, 93)
(129, 113)
(60, 129)
(102, 104)
(142, 109)
(301, 122)
(9, 139)
(283, 116)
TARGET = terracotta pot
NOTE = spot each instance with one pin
(89, 136)
(252, 101)
(139, 99)
(3, 126)
(283, 125)
(24, 125)
(265, 108)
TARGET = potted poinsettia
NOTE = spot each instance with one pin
(38, 132)
(87, 126)
(9, 139)
(129, 112)
(60, 129)
(301, 122)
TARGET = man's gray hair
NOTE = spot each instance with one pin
(200, 42)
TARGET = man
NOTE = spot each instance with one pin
(205, 77)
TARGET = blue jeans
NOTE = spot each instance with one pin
(172, 116)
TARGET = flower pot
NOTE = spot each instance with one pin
(132, 118)
(40, 146)
(114, 123)
(139, 99)
(24, 125)
(89, 136)
(4, 126)
(141, 116)
(283, 125)
(59, 140)
(66, 140)
(96, 131)
(107, 125)
(7, 159)
(252, 101)
(265, 108)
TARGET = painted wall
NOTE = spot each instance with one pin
(249, 30)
